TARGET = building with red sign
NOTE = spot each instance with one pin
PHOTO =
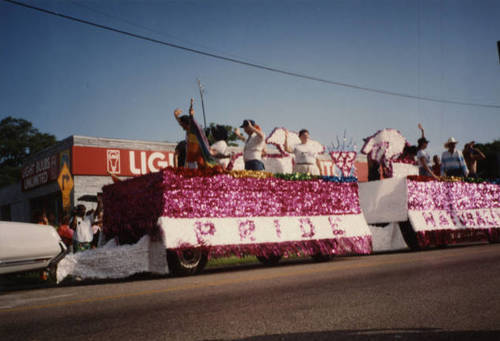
(90, 161)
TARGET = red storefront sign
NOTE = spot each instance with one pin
(122, 162)
(40, 172)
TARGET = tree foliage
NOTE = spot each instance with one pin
(490, 167)
(231, 136)
(18, 140)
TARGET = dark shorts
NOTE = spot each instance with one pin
(423, 172)
(455, 172)
(254, 165)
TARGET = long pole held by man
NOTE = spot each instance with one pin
(202, 104)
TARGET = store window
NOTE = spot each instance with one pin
(5, 213)
(51, 205)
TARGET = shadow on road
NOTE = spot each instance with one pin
(31, 281)
(383, 334)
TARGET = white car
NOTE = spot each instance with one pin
(27, 247)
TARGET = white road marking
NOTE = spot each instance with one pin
(20, 301)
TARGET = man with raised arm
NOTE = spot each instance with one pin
(197, 147)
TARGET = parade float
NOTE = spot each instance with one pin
(183, 217)
(421, 211)
(209, 213)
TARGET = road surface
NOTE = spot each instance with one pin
(445, 294)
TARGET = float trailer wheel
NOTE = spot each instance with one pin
(319, 257)
(187, 262)
(409, 235)
(270, 260)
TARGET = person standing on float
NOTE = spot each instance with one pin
(423, 158)
(471, 156)
(306, 158)
(219, 148)
(254, 145)
(436, 167)
(452, 160)
(197, 147)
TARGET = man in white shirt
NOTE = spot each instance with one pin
(306, 157)
(254, 145)
(82, 225)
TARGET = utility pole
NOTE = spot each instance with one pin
(202, 91)
(498, 47)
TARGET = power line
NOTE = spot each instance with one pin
(254, 65)
(142, 27)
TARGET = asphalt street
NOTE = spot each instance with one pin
(445, 294)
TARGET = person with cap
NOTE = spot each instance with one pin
(423, 158)
(471, 156)
(254, 145)
(306, 157)
(452, 160)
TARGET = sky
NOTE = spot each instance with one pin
(70, 78)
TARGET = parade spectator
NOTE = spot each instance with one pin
(254, 145)
(40, 217)
(436, 167)
(180, 154)
(306, 157)
(82, 227)
(452, 160)
(219, 148)
(97, 221)
(197, 147)
(471, 156)
(51, 219)
(65, 232)
(97, 230)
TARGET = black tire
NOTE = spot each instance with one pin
(187, 262)
(269, 260)
(409, 235)
(493, 238)
(319, 257)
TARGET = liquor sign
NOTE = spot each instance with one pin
(122, 162)
(40, 172)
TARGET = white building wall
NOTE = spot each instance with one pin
(89, 185)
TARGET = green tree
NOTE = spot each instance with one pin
(490, 167)
(18, 140)
(231, 136)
